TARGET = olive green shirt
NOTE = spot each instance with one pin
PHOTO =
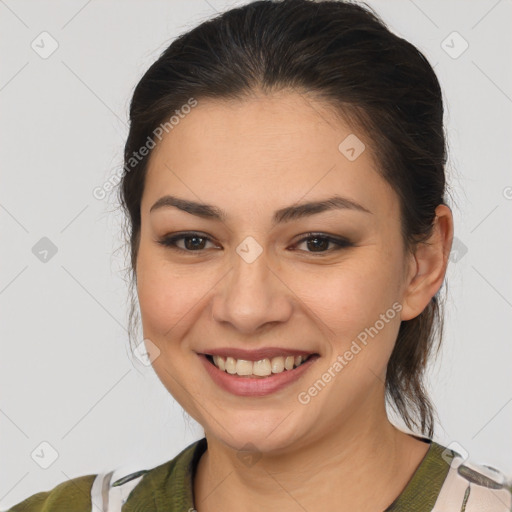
(169, 488)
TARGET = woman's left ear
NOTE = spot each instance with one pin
(429, 264)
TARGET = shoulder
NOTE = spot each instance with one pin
(472, 486)
(168, 487)
(74, 494)
(148, 489)
(102, 492)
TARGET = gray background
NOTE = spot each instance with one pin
(66, 375)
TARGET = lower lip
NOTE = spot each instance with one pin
(255, 386)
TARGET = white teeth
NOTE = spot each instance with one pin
(262, 368)
(219, 362)
(231, 365)
(243, 367)
(277, 364)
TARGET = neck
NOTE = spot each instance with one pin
(362, 466)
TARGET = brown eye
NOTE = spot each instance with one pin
(319, 243)
(192, 242)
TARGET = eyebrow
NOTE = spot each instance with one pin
(286, 214)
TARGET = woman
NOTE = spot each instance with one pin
(285, 195)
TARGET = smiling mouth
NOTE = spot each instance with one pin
(262, 368)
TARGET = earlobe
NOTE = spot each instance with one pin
(431, 258)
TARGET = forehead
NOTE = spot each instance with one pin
(280, 147)
(269, 127)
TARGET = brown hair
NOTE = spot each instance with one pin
(344, 54)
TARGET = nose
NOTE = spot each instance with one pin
(252, 296)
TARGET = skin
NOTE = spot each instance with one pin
(250, 158)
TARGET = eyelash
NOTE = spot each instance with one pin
(170, 242)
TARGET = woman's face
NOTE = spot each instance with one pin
(248, 279)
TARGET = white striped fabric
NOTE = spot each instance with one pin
(105, 497)
(481, 493)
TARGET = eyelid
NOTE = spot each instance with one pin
(169, 241)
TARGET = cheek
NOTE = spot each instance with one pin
(165, 296)
(350, 297)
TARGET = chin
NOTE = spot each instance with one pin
(253, 433)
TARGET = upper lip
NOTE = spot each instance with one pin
(258, 354)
